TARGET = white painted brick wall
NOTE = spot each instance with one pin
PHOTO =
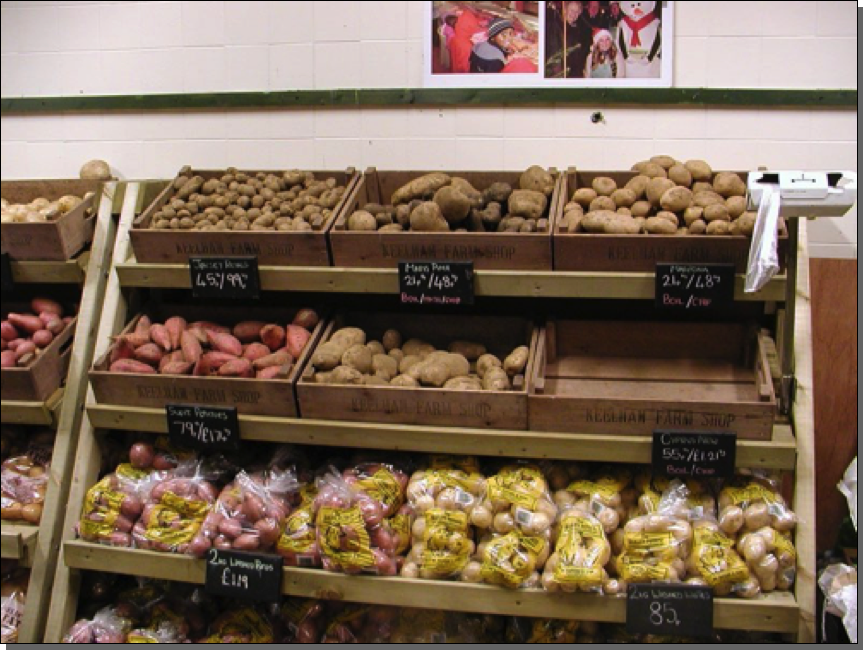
(72, 48)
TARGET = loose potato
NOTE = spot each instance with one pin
(453, 204)
(638, 184)
(485, 363)
(392, 339)
(496, 379)
(405, 382)
(652, 170)
(468, 349)
(384, 365)
(458, 365)
(393, 227)
(666, 162)
(641, 209)
(396, 354)
(434, 373)
(408, 362)
(376, 380)
(537, 179)
(516, 362)
(622, 225)
(626, 212)
(704, 199)
(604, 186)
(728, 184)
(584, 196)
(676, 199)
(358, 357)
(347, 337)
(716, 212)
(692, 214)
(668, 216)
(427, 217)
(463, 383)
(602, 203)
(659, 226)
(595, 222)
(327, 356)
(656, 188)
(700, 170)
(624, 198)
(473, 195)
(417, 347)
(698, 227)
(680, 175)
(497, 193)
(95, 170)
(736, 206)
(528, 204)
(746, 223)
(718, 228)
(346, 375)
(422, 188)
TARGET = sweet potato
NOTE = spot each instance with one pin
(132, 366)
(248, 331)
(254, 351)
(280, 358)
(142, 327)
(159, 335)
(297, 337)
(177, 368)
(171, 357)
(237, 368)
(122, 349)
(150, 353)
(191, 347)
(175, 325)
(225, 343)
(273, 336)
(26, 323)
(42, 338)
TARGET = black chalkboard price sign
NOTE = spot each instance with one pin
(205, 428)
(239, 574)
(436, 283)
(696, 454)
(694, 288)
(8, 282)
(665, 609)
(225, 277)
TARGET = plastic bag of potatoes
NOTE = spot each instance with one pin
(24, 481)
(298, 543)
(580, 555)
(608, 496)
(113, 506)
(715, 563)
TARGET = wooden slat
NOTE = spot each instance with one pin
(536, 284)
(804, 427)
(776, 613)
(113, 308)
(776, 454)
(71, 272)
(671, 370)
(18, 542)
(30, 413)
(69, 419)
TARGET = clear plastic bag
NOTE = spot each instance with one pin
(106, 627)
(165, 632)
(303, 620)
(715, 563)
(607, 496)
(442, 545)
(764, 250)
(514, 560)
(112, 507)
(12, 604)
(838, 582)
(298, 543)
(580, 555)
(241, 625)
(517, 499)
(249, 513)
(749, 503)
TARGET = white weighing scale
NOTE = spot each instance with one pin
(802, 194)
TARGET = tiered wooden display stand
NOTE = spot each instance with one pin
(790, 449)
(38, 547)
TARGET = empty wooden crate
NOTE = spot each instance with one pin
(632, 378)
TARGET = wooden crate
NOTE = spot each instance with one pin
(53, 241)
(631, 378)
(488, 251)
(271, 248)
(250, 396)
(38, 381)
(641, 253)
(396, 405)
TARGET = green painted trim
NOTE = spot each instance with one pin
(828, 98)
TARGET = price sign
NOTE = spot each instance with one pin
(696, 454)
(694, 288)
(675, 610)
(436, 283)
(239, 574)
(8, 283)
(205, 428)
(225, 277)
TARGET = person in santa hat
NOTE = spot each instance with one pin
(604, 60)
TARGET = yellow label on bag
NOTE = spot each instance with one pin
(574, 575)
(332, 523)
(707, 537)
(382, 486)
(783, 544)
(535, 545)
(126, 471)
(299, 535)
(637, 572)
(647, 541)
(451, 521)
(186, 508)
(168, 527)
(243, 622)
(592, 489)
(140, 637)
(445, 562)
(750, 493)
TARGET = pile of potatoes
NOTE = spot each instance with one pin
(666, 197)
(347, 358)
(24, 480)
(39, 210)
(294, 201)
(24, 337)
(440, 203)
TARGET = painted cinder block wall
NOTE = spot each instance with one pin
(72, 48)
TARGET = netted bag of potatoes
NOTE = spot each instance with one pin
(771, 557)
(749, 503)
(298, 543)
(517, 499)
(449, 483)
(656, 546)
(513, 560)
(608, 496)
(651, 488)
(442, 545)
(580, 555)
(714, 562)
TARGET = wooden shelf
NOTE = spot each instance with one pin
(70, 272)
(18, 542)
(44, 413)
(517, 284)
(774, 613)
(779, 453)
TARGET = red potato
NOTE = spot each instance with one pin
(26, 323)
(248, 331)
(297, 338)
(150, 353)
(230, 528)
(247, 542)
(306, 318)
(273, 336)
(141, 455)
(159, 335)
(3, 345)
(178, 368)
(191, 347)
(13, 345)
(39, 305)
(8, 331)
(225, 343)
(8, 359)
(55, 325)
(255, 351)
(222, 543)
(42, 338)
(25, 348)
(132, 366)
(279, 358)
(237, 368)
(176, 325)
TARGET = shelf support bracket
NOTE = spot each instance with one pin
(788, 385)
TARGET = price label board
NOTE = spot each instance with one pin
(436, 283)
(694, 288)
(675, 610)
(240, 574)
(205, 428)
(696, 454)
(225, 277)
(8, 283)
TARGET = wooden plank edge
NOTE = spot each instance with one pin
(18, 541)
(32, 413)
(49, 272)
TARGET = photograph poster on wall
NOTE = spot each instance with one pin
(547, 44)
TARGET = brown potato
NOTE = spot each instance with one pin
(638, 184)
(652, 170)
(656, 188)
(427, 217)
(485, 363)
(422, 188)
(595, 222)
(624, 198)
(604, 186)
(537, 179)
(746, 223)
(622, 225)
(516, 362)
(736, 206)
(346, 375)
(659, 226)
(680, 175)
(641, 209)
(453, 204)
(692, 214)
(700, 170)
(703, 199)
(584, 196)
(602, 203)
(728, 184)
(405, 381)
(716, 212)
(676, 199)
(719, 228)
(669, 217)
(472, 194)
(666, 162)
(529, 204)
(698, 227)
